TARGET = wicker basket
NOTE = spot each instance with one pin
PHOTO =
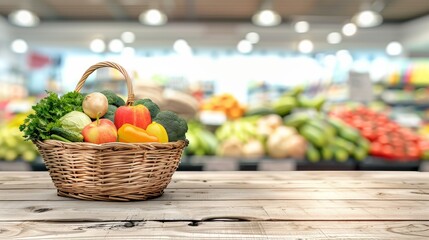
(111, 171)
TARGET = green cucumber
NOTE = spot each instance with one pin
(313, 135)
(259, 111)
(344, 144)
(59, 138)
(323, 126)
(349, 134)
(296, 120)
(67, 134)
(337, 124)
(312, 154)
(359, 154)
(327, 153)
(341, 155)
(363, 143)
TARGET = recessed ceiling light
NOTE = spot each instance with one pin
(244, 46)
(266, 18)
(153, 17)
(252, 37)
(349, 29)
(334, 38)
(305, 46)
(24, 18)
(367, 19)
(182, 47)
(19, 46)
(116, 45)
(97, 45)
(302, 27)
(128, 37)
(394, 48)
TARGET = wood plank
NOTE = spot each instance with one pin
(270, 175)
(218, 230)
(250, 184)
(199, 210)
(243, 194)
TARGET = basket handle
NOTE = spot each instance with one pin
(116, 66)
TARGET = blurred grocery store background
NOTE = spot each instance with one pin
(265, 85)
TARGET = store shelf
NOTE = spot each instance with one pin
(376, 164)
(215, 163)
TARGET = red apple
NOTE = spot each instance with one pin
(100, 131)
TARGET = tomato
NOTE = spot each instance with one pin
(383, 140)
(375, 149)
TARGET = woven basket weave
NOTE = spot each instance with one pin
(112, 171)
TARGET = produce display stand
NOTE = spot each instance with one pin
(379, 164)
(207, 163)
(227, 205)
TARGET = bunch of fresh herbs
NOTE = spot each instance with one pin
(47, 112)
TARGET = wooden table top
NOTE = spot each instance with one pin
(227, 205)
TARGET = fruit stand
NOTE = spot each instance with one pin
(294, 132)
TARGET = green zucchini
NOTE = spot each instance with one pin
(67, 134)
(59, 138)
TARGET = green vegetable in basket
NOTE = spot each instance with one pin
(176, 126)
(113, 99)
(75, 121)
(47, 112)
(111, 110)
(67, 134)
(151, 106)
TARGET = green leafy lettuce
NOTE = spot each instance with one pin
(47, 112)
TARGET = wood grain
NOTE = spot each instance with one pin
(238, 194)
(267, 210)
(227, 205)
(217, 230)
(271, 175)
(46, 183)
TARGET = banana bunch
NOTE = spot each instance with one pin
(240, 138)
(13, 145)
(243, 129)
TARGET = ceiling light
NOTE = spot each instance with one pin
(19, 46)
(305, 46)
(24, 18)
(116, 45)
(182, 47)
(334, 38)
(97, 45)
(302, 27)
(266, 18)
(394, 48)
(128, 37)
(252, 37)
(153, 17)
(244, 46)
(349, 29)
(367, 19)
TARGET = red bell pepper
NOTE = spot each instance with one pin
(138, 116)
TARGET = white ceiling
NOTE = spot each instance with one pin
(216, 24)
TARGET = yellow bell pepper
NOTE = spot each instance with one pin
(131, 134)
(156, 129)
